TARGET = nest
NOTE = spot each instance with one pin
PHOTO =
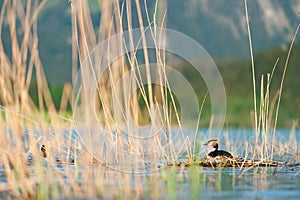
(225, 162)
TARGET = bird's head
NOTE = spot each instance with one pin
(43, 148)
(213, 143)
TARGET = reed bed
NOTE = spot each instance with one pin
(71, 168)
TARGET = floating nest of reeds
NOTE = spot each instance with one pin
(225, 162)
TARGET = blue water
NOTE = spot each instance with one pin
(201, 183)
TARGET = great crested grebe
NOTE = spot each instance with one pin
(43, 151)
(216, 152)
(44, 155)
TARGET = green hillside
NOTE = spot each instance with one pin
(238, 84)
(239, 90)
(237, 77)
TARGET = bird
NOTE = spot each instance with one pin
(44, 155)
(43, 151)
(217, 152)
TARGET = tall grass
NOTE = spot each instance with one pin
(266, 117)
(26, 126)
(158, 110)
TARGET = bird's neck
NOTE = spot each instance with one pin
(216, 147)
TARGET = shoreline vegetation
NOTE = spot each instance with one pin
(239, 99)
(109, 161)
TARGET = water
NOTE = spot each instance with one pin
(204, 183)
(259, 183)
(184, 182)
(194, 183)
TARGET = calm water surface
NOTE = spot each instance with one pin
(203, 183)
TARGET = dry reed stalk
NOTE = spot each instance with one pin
(146, 56)
(263, 119)
(110, 23)
(15, 78)
(281, 86)
(18, 109)
(253, 73)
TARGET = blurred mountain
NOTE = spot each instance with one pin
(219, 26)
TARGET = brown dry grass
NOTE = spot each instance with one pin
(25, 126)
